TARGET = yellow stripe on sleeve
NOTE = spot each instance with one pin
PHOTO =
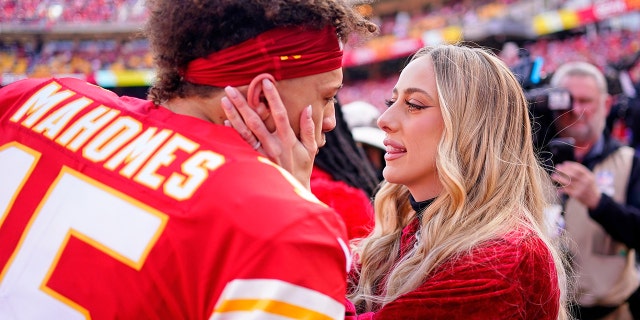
(274, 299)
(275, 307)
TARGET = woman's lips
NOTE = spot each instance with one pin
(394, 150)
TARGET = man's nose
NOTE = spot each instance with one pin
(578, 108)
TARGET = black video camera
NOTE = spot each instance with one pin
(545, 104)
(542, 99)
(547, 99)
(561, 149)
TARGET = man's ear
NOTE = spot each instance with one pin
(255, 89)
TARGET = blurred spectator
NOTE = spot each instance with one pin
(362, 119)
(634, 119)
(601, 188)
(343, 179)
(510, 54)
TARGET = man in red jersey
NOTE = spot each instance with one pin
(119, 208)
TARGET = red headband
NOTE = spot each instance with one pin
(285, 53)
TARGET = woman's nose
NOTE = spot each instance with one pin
(385, 121)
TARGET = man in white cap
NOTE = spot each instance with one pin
(361, 117)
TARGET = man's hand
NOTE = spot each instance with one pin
(578, 182)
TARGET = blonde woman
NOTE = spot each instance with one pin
(459, 230)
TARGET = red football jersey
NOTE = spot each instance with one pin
(115, 208)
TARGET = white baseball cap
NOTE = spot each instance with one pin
(369, 135)
(361, 117)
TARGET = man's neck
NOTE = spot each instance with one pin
(207, 109)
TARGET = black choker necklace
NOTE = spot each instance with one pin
(419, 206)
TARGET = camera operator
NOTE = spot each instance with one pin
(602, 192)
(627, 107)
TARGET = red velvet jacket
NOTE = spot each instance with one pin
(353, 204)
(508, 278)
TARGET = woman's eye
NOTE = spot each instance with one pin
(413, 106)
(410, 105)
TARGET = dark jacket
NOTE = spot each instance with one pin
(621, 221)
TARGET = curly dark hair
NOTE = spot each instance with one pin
(180, 31)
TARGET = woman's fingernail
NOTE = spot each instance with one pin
(267, 84)
(309, 111)
(231, 92)
(227, 123)
(226, 104)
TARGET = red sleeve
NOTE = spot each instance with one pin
(502, 281)
(15, 92)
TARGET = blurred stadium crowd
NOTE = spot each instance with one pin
(603, 49)
(33, 45)
(51, 12)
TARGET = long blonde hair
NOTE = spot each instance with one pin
(492, 180)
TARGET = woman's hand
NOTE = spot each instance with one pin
(281, 146)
